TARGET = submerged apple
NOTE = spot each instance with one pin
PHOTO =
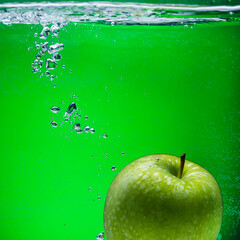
(163, 197)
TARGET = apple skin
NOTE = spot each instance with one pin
(147, 201)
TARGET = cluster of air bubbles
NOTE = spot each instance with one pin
(69, 114)
(52, 50)
(100, 236)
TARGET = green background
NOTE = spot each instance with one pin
(151, 89)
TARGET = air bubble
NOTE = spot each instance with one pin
(86, 117)
(35, 69)
(77, 126)
(112, 23)
(51, 77)
(40, 63)
(72, 107)
(92, 130)
(87, 129)
(44, 33)
(57, 56)
(35, 34)
(44, 47)
(50, 64)
(54, 124)
(100, 236)
(90, 189)
(55, 30)
(37, 46)
(105, 135)
(55, 48)
(99, 198)
(123, 153)
(47, 73)
(113, 168)
(55, 109)
(63, 66)
(79, 131)
(39, 55)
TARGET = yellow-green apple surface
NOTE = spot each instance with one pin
(160, 197)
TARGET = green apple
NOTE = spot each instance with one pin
(163, 197)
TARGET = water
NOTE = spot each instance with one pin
(94, 86)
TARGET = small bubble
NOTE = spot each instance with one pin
(157, 159)
(35, 69)
(63, 66)
(79, 131)
(86, 117)
(66, 119)
(105, 135)
(70, 70)
(100, 236)
(40, 63)
(57, 56)
(54, 86)
(37, 46)
(38, 55)
(35, 61)
(71, 109)
(52, 77)
(92, 130)
(55, 30)
(99, 198)
(55, 48)
(44, 33)
(47, 73)
(44, 47)
(90, 189)
(76, 126)
(54, 124)
(113, 168)
(35, 34)
(50, 64)
(29, 49)
(112, 23)
(87, 129)
(55, 109)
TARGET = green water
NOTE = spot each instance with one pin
(150, 89)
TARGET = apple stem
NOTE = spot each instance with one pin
(181, 165)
